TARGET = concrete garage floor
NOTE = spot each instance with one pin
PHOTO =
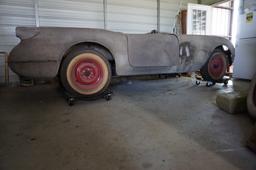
(150, 124)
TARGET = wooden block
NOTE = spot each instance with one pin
(232, 102)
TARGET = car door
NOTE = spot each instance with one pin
(153, 50)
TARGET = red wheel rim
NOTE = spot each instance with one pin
(217, 66)
(87, 74)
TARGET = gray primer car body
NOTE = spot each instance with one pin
(41, 50)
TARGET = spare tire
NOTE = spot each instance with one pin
(251, 99)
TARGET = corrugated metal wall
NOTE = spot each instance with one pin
(71, 13)
(133, 16)
(13, 13)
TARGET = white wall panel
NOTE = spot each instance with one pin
(67, 13)
(13, 13)
(132, 16)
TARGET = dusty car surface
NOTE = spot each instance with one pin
(86, 59)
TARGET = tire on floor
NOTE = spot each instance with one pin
(216, 66)
(85, 72)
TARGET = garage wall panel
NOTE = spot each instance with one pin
(13, 13)
(132, 16)
(75, 13)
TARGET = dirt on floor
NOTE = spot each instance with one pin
(167, 124)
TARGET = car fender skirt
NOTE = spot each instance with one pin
(35, 69)
(251, 99)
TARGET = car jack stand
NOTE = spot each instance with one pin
(199, 79)
(107, 95)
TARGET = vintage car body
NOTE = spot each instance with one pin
(42, 50)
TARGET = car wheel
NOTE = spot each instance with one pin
(216, 67)
(251, 99)
(85, 72)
